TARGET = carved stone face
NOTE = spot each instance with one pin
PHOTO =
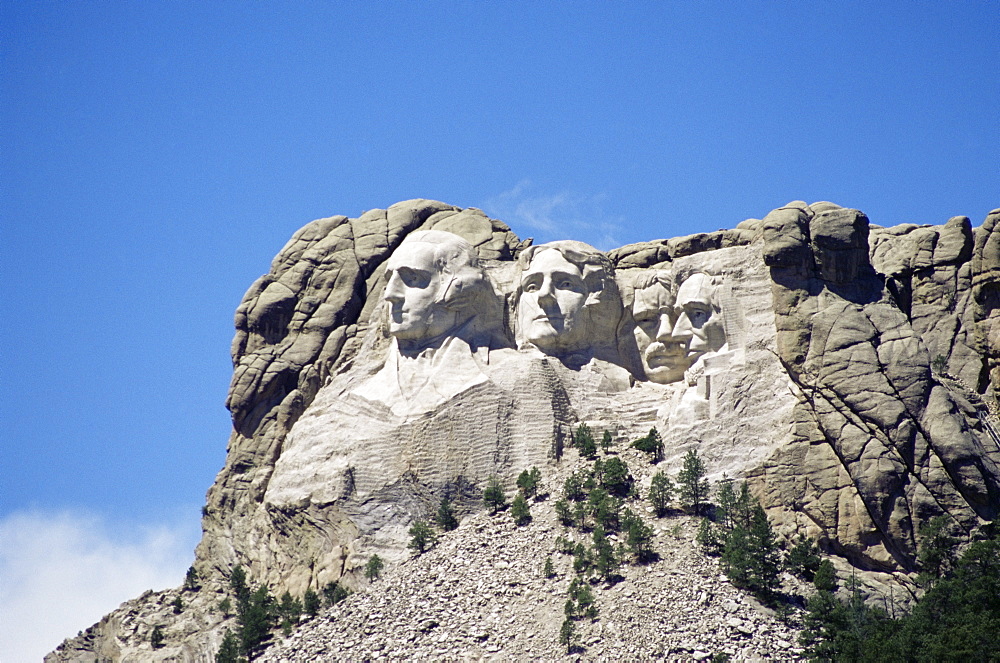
(550, 309)
(699, 320)
(414, 293)
(664, 357)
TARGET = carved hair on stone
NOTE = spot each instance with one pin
(434, 286)
(566, 301)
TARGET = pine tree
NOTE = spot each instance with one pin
(825, 579)
(615, 477)
(445, 516)
(311, 602)
(803, 559)
(527, 482)
(573, 487)
(936, 551)
(652, 444)
(238, 581)
(422, 537)
(708, 538)
(606, 563)
(548, 570)
(583, 439)
(766, 561)
(373, 569)
(607, 441)
(564, 513)
(604, 509)
(255, 617)
(177, 604)
(493, 495)
(156, 637)
(567, 635)
(693, 485)
(225, 606)
(289, 608)
(519, 511)
(191, 579)
(661, 492)
(638, 537)
(229, 650)
(334, 593)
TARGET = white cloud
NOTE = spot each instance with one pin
(61, 572)
(562, 215)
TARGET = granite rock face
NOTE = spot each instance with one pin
(848, 372)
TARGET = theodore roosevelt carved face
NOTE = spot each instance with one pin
(664, 356)
(559, 283)
(431, 279)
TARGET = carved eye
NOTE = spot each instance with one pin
(698, 316)
(414, 278)
(530, 287)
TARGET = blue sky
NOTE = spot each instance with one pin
(156, 155)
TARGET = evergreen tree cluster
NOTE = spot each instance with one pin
(258, 613)
(745, 541)
(957, 619)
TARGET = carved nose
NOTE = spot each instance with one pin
(546, 292)
(393, 289)
(682, 329)
(665, 328)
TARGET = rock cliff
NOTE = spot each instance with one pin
(848, 372)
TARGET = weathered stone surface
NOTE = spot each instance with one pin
(880, 444)
(849, 372)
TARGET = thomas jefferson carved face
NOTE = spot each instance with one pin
(700, 319)
(566, 300)
(427, 276)
(664, 356)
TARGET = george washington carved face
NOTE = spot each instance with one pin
(429, 277)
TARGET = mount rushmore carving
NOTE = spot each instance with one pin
(847, 372)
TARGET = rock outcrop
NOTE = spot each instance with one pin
(848, 372)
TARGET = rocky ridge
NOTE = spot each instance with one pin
(859, 400)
